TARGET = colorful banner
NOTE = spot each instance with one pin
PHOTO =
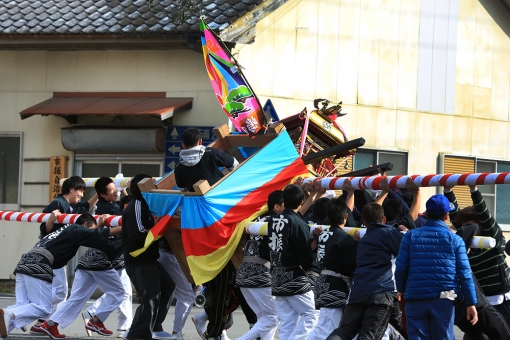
(212, 224)
(234, 94)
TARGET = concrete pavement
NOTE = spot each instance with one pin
(76, 330)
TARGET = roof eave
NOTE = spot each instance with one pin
(242, 31)
(98, 41)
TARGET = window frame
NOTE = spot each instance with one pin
(124, 159)
(15, 206)
(493, 210)
(387, 151)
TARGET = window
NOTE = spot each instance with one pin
(365, 158)
(10, 165)
(496, 196)
(130, 166)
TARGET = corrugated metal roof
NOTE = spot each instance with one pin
(98, 17)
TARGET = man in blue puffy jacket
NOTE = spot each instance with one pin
(432, 269)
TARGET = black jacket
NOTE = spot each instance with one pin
(137, 221)
(58, 247)
(60, 203)
(207, 168)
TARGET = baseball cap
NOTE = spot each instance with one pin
(439, 204)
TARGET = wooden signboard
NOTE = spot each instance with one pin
(58, 170)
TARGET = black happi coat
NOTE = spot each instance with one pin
(290, 254)
(336, 252)
(57, 248)
(111, 208)
(254, 274)
(98, 260)
(60, 203)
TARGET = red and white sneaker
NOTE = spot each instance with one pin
(98, 327)
(52, 331)
(36, 330)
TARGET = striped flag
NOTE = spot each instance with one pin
(212, 224)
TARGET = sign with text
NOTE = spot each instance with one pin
(58, 170)
(173, 143)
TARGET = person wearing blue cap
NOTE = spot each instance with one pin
(432, 269)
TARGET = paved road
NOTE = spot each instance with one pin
(76, 330)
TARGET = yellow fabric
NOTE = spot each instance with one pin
(148, 241)
(205, 268)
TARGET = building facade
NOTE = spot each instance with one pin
(99, 83)
(426, 83)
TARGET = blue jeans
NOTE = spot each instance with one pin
(430, 319)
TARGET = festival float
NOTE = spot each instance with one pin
(205, 228)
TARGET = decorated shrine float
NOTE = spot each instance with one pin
(206, 228)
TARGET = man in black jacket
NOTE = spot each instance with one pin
(290, 256)
(198, 162)
(107, 204)
(152, 282)
(68, 202)
(107, 196)
(34, 272)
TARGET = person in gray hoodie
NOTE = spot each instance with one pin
(197, 162)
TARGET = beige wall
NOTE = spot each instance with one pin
(365, 53)
(29, 77)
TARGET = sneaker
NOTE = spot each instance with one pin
(86, 318)
(121, 334)
(5, 318)
(200, 321)
(224, 335)
(24, 328)
(36, 330)
(98, 327)
(162, 335)
(179, 335)
(52, 331)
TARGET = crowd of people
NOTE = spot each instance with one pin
(410, 276)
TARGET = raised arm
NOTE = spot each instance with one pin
(448, 192)
(487, 222)
(48, 228)
(414, 209)
(385, 189)
(314, 194)
(349, 200)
